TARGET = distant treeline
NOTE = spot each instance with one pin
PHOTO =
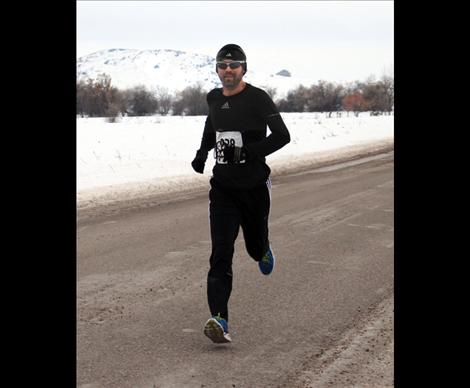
(98, 98)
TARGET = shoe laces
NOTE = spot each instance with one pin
(265, 258)
(222, 321)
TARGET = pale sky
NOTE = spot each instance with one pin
(331, 40)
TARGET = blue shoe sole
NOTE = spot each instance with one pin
(215, 332)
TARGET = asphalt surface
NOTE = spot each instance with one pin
(323, 318)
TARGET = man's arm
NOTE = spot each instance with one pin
(279, 136)
(207, 143)
(208, 136)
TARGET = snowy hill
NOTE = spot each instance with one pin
(173, 70)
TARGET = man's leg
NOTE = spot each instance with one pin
(225, 223)
(255, 217)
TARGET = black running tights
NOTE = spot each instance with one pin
(228, 210)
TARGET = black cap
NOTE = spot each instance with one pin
(232, 51)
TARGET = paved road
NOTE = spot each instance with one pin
(141, 289)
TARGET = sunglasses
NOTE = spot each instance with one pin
(232, 65)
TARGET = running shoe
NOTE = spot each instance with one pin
(216, 328)
(266, 264)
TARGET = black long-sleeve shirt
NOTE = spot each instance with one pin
(242, 120)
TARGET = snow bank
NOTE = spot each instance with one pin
(140, 156)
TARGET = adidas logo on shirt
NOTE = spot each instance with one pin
(225, 106)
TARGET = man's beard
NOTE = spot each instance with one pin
(231, 82)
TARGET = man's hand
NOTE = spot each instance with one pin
(233, 154)
(199, 161)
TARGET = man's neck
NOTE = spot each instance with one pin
(230, 92)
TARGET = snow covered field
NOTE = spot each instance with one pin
(153, 154)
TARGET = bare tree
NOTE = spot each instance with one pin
(389, 91)
(191, 101)
(297, 100)
(94, 96)
(81, 98)
(325, 97)
(141, 102)
(354, 102)
(165, 101)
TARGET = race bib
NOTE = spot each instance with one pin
(226, 139)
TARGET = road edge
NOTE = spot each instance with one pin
(119, 199)
(363, 357)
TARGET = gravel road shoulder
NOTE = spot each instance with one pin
(364, 356)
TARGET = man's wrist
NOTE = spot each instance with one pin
(201, 154)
